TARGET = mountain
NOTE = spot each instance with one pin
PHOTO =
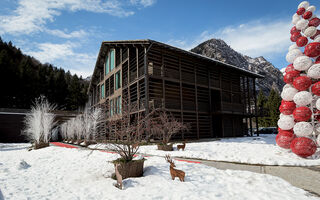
(219, 50)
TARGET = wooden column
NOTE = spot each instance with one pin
(181, 101)
(221, 105)
(255, 105)
(249, 104)
(146, 82)
(210, 106)
(196, 98)
(163, 82)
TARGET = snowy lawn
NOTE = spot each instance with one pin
(252, 150)
(61, 173)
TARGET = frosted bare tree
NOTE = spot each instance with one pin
(165, 126)
(127, 131)
(39, 122)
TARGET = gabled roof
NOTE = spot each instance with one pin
(149, 42)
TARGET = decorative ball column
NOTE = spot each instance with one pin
(299, 123)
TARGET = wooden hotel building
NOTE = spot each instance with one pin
(216, 99)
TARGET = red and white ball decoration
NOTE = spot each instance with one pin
(299, 123)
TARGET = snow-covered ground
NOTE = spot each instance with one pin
(61, 173)
(253, 150)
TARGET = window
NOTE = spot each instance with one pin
(118, 80)
(107, 65)
(102, 91)
(112, 63)
(118, 105)
(111, 107)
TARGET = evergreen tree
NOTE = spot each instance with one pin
(24, 79)
(262, 110)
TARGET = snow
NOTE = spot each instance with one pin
(62, 173)
(252, 150)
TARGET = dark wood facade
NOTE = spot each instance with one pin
(216, 99)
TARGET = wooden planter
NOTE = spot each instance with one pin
(133, 168)
(40, 145)
(165, 147)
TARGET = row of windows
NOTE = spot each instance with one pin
(110, 61)
(117, 85)
(115, 106)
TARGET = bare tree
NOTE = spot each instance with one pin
(127, 131)
(166, 126)
(39, 122)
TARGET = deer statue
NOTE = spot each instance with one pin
(175, 172)
(119, 177)
(135, 145)
(181, 146)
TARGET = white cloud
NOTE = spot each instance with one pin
(64, 55)
(62, 34)
(253, 38)
(144, 3)
(31, 16)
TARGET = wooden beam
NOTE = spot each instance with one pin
(255, 105)
(146, 82)
(181, 101)
(196, 96)
(210, 105)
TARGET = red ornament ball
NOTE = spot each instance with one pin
(302, 83)
(317, 115)
(290, 76)
(315, 35)
(301, 10)
(280, 130)
(315, 89)
(284, 139)
(312, 49)
(287, 107)
(314, 22)
(303, 147)
(302, 114)
(302, 41)
(289, 68)
(294, 30)
(307, 15)
(294, 36)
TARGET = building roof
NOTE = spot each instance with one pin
(150, 42)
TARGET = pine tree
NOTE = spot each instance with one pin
(262, 110)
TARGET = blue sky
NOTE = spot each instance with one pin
(68, 33)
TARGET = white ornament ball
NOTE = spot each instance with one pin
(293, 46)
(286, 123)
(302, 98)
(302, 63)
(288, 94)
(317, 129)
(318, 104)
(317, 38)
(302, 24)
(314, 71)
(283, 115)
(310, 31)
(318, 140)
(295, 18)
(302, 129)
(311, 8)
(293, 54)
(304, 4)
(287, 86)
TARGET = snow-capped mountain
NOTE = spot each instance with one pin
(219, 50)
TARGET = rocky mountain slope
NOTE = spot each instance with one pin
(219, 50)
